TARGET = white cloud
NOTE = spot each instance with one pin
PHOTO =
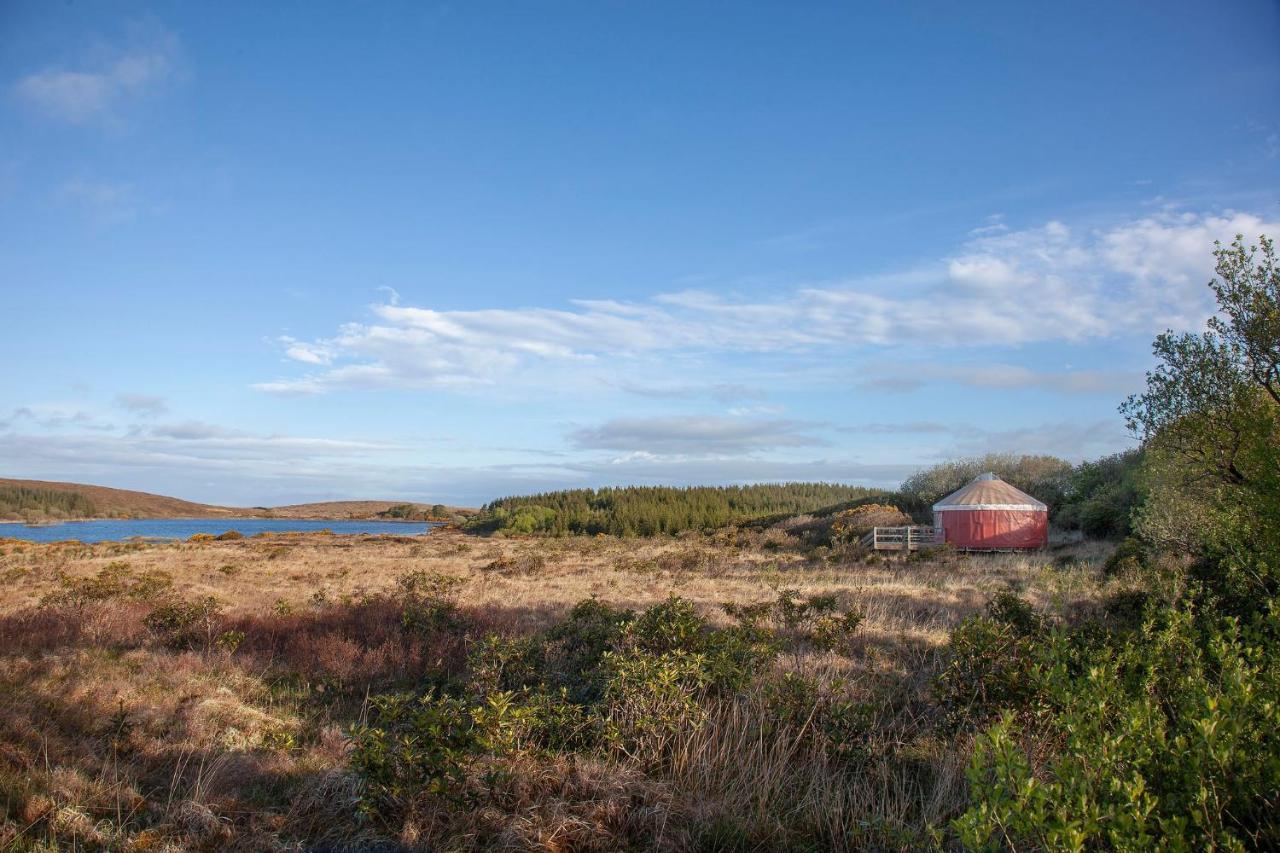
(1004, 288)
(97, 90)
(693, 435)
(306, 353)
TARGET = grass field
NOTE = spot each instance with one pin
(115, 732)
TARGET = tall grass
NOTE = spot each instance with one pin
(115, 732)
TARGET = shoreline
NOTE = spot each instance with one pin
(213, 518)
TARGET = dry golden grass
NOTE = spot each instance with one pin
(918, 597)
(110, 740)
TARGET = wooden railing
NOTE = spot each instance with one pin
(909, 538)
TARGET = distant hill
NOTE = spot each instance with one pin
(21, 499)
(365, 509)
(41, 500)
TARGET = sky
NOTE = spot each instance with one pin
(257, 254)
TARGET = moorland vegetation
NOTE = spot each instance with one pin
(757, 680)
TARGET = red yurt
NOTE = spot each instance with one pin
(990, 513)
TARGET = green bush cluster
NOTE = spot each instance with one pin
(603, 678)
(815, 621)
(1169, 735)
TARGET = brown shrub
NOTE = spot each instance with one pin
(859, 521)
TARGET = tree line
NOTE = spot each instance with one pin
(23, 502)
(654, 510)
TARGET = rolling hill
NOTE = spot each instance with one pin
(44, 500)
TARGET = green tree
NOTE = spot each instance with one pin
(1210, 419)
(1044, 477)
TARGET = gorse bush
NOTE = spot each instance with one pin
(851, 524)
(114, 582)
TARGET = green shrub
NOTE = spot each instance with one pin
(814, 621)
(833, 633)
(1127, 609)
(1171, 736)
(411, 747)
(1126, 559)
(428, 601)
(229, 641)
(668, 626)
(651, 698)
(993, 663)
(185, 624)
(1008, 608)
(561, 725)
(578, 644)
(501, 664)
(728, 658)
(819, 710)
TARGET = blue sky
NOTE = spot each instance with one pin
(262, 253)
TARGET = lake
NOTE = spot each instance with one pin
(111, 530)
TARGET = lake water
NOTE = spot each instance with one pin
(110, 530)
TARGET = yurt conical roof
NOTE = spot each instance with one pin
(987, 491)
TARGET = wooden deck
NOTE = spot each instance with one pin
(911, 538)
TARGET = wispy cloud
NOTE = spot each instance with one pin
(694, 435)
(898, 378)
(53, 417)
(720, 391)
(1003, 288)
(1069, 440)
(105, 202)
(898, 428)
(97, 88)
(149, 405)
